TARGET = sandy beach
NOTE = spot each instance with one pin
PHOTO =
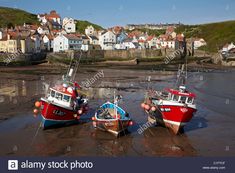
(21, 134)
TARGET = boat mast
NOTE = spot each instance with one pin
(116, 104)
(182, 70)
(73, 67)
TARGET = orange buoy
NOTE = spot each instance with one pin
(80, 111)
(143, 105)
(130, 123)
(153, 108)
(93, 118)
(37, 104)
(35, 111)
(147, 107)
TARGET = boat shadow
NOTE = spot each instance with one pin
(160, 141)
(195, 124)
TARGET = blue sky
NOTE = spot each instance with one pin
(121, 12)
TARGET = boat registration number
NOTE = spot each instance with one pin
(58, 112)
(165, 109)
(108, 124)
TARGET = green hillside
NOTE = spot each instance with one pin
(82, 24)
(215, 34)
(9, 17)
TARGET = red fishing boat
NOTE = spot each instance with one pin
(173, 108)
(64, 103)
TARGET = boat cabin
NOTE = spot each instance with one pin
(61, 98)
(181, 96)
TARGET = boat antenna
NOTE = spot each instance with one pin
(73, 67)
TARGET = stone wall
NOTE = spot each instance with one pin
(131, 54)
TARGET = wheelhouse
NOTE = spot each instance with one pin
(181, 97)
(59, 97)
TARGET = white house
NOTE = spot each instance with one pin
(48, 42)
(107, 40)
(199, 42)
(53, 16)
(90, 30)
(93, 40)
(129, 44)
(69, 25)
(171, 44)
(42, 18)
(120, 46)
(63, 43)
(228, 47)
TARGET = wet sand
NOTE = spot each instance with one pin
(210, 133)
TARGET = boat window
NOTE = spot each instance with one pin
(66, 98)
(52, 93)
(183, 99)
(169, 96)
(58, 96)
(190, 100)
(175, 97)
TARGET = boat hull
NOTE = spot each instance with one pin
(114, 126)
(172, 117)
(53, 115)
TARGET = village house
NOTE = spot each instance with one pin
(15, 42)
(69, 25)
(36, 37)
(90, 30)
(121, 37)
(43, 30)
(152, 42)
(93, 40)
(53, 16)
(85, 43)
(227, 47)
(170, 31)
(63, 43)
(48, 40)
(199, 42)
(10, 42)
(107, 40)
(130, 44)
(143, 44)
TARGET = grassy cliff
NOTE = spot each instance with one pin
(9, 17)
(82, 24)
(215, 34)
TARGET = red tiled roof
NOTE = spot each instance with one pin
(170, 29)
(71, 36)
(149, 38)
(141, 41)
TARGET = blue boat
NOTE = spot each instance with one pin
(110, 117)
